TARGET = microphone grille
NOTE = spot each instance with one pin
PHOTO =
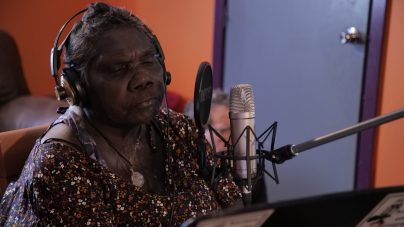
(242, 99)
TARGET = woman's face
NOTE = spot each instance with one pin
(125, 80)
(219, 120)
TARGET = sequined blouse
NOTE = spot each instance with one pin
(63, 185)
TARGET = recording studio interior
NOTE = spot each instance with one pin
(315, 67)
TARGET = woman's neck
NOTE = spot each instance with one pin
(113, 132)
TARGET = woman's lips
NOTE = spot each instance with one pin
(147, 103)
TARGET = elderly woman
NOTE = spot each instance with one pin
(114, 157)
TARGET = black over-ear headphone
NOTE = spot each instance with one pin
(68, 85)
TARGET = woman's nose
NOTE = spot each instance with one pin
(140, 81)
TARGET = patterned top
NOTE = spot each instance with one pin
(62, 185)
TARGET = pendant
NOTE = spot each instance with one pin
(137, 178)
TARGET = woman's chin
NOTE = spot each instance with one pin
(142, 117)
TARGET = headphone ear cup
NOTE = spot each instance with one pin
(70, 81)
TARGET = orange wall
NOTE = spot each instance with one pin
(184, 28)
(390, 143)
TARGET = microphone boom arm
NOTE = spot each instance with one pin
(287, 152)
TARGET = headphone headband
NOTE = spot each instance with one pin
(56, 51)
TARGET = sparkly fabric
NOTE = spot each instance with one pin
(61, 185)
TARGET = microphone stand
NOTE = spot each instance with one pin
(290, 151)
(280, 155)
(228, 158)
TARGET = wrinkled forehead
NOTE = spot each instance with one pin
(121, 38)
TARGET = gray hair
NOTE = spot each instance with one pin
(219, 97)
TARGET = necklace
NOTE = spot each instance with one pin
(136, 177)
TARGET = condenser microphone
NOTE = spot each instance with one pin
(242, 123)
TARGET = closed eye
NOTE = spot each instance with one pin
(148, 57)
(122, 67)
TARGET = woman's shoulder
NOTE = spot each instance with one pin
(181, 124)
(175, 118)
(62, 133)
(53, 154)
(171, 114)
(58, 140)
(45, 158)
